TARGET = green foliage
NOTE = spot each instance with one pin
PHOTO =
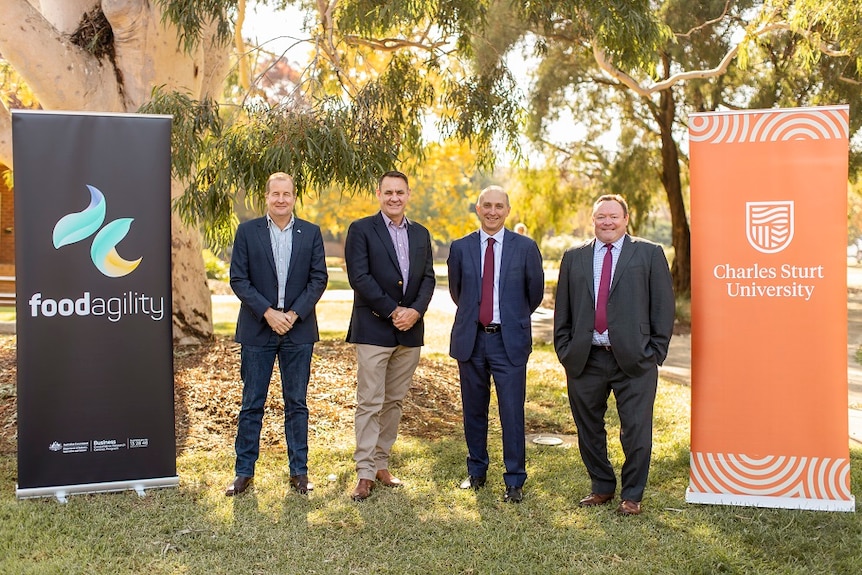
(553, 247)
(481, 107)
(339, 143)
(193, 17)
(216, 268)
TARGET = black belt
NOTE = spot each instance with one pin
(281, 309)
(490, 328)
(602, 347)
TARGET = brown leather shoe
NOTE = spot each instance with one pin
(595, 499)
(301, 484)
(387, 479)
(240, 484)
(363, 490)
(629, 507)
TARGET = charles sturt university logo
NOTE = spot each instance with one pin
(769, 225)
(79, 226)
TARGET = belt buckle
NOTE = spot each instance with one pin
(491, 328)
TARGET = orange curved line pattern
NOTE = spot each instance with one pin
(806, 124)
(777, 476)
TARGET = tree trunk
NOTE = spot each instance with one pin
(35, 38)
(192, 311)
(670, 178)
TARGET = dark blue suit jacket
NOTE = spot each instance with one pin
(521, 289)
(374, 275)
(254, 280)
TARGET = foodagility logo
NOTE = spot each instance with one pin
(81, 225)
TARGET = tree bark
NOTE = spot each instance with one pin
(670, 178)
(64, 76)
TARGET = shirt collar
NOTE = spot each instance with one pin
(388, 221)
(498, 237)
(270, 223)
(617, 244)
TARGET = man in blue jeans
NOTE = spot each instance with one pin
(278, 272)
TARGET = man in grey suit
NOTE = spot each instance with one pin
(278, 272)
(497, 281)
(613, 321)
(391, 270)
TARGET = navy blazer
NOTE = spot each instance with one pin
(641, 307)
(254, 280)
(375, 276)
(521, 289)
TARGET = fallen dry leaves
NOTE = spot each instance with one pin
(208, 392)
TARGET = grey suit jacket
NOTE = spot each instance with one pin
(641, 307)
(522, 286)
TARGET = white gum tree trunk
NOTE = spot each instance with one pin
(35, 38)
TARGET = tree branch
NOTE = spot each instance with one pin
(721, 68)
(707, 23)
(29, 42)
(393, 44)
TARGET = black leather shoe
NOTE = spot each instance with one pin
(473, 482)
(513, 495)
(240, 484)
(301, 484)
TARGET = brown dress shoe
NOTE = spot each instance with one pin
(240, 484)
(629, 507)
(363, 490)
(387, 479)
(595, 499)
(301, 484)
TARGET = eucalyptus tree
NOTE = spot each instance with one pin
(708, 54)
(380, 71)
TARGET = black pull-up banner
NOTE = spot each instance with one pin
(93, 287)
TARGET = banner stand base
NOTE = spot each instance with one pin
(61, 492)
(772, 502)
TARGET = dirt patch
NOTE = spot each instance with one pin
(208, 392)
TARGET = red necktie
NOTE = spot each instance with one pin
(486, 304)
(604, 290)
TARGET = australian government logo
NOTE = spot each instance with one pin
(770, 227)
(76, 227)
(97, 445)
(69, 446)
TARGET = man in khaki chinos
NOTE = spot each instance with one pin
(390, 268)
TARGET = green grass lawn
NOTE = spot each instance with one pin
(428, 526)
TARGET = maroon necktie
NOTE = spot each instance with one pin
(486, 304)
(604, 290)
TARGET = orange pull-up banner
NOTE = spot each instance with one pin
(769, 309)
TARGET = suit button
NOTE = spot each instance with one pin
(401, 283)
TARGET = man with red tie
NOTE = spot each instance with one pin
(613, 320)
(497, 282)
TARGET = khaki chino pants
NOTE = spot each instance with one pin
(383, 378)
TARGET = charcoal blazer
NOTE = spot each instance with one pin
(521, 289)
(375, 276)
(254, 280)
(641, 307)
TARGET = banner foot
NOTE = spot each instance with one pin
(62, 492)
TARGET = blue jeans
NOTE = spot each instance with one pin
(294, 363)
